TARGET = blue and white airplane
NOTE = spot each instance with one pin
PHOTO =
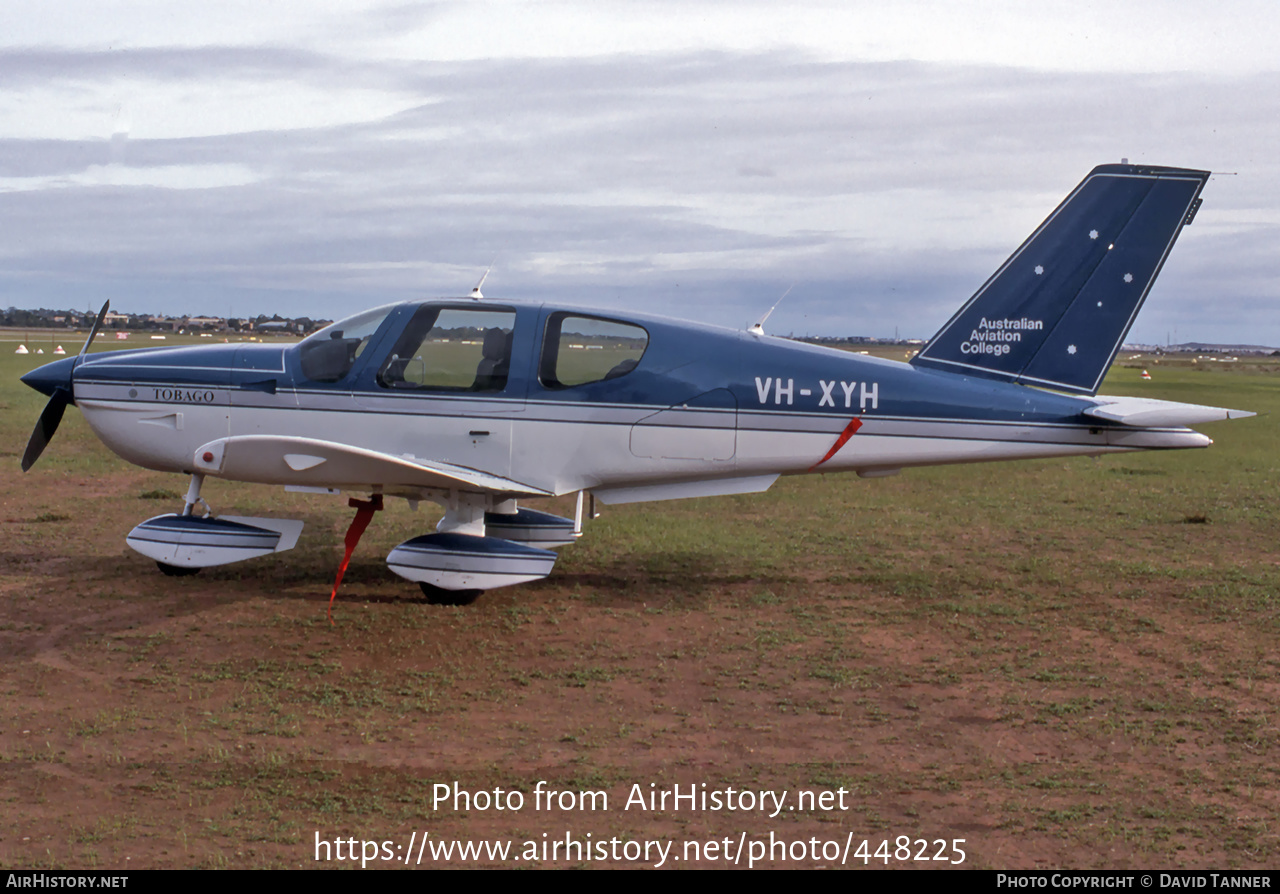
(482, 405)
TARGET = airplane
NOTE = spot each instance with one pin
(481, 406)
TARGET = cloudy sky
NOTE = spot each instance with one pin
(688, 158)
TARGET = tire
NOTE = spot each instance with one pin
(176, 570)
(439, 596)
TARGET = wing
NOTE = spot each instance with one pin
(308, 462)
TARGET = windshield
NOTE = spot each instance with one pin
(329, 355)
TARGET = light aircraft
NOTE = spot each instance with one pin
(482, 405)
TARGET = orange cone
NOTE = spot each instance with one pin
(1146, 375)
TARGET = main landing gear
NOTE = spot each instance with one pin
(193, 499)
(438, 596)
(481, 543)
(183, 543)
(176, 570)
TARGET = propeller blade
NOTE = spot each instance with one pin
(59, 397)
(97, 324)
(46, 425)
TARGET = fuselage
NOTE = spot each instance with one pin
(581, 399)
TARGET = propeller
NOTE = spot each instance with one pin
(55, 380)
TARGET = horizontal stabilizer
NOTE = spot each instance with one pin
(1057, 311)
(272, 459)
(1147, 412)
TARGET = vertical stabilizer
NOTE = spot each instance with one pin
(1057, 311)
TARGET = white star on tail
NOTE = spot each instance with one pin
(1071, 349)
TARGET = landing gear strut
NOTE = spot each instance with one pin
(192, 500)
(193, 496)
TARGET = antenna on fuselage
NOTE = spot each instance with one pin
(476, 294)
(758, 328)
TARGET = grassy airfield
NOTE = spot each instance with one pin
(1066, 663)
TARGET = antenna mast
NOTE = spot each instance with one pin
(476, 294)
(758, 328)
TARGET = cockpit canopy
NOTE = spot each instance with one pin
(444, 346)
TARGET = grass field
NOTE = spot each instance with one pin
(1066, 663)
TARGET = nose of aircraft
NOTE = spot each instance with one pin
(46, 379)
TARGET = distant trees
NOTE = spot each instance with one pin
(45, 318)
(32, 319)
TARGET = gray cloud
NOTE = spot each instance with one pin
(699, 184)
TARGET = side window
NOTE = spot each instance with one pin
(452, 349)
(329, 355)
(578, 350)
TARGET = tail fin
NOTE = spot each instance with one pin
(1057, 311)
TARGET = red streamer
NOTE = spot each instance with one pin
(853, 426)
(364, 514)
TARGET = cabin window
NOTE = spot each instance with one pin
(329, 355)
(578, 350)
(452, 349)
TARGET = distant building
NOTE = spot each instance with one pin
(204, 323)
